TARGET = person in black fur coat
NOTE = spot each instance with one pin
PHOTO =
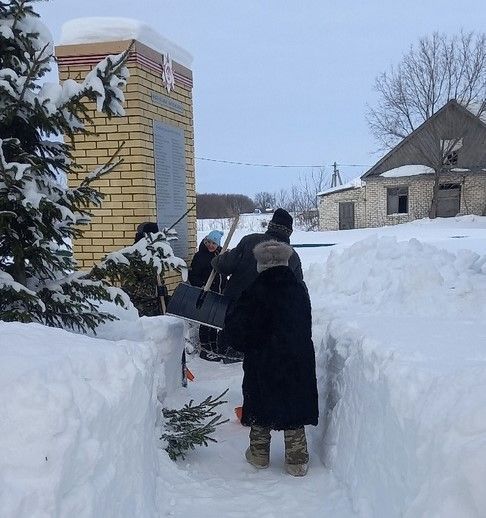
(271, 324)
(199, 273)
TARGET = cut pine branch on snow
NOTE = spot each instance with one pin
(191, 426)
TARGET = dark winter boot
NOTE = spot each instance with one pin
(232, 356)
(209, 356)
(224, 349)
(296, 454)
(207, 339)
(258, 453)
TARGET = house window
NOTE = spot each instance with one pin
(451, 158)
(449, 149)
(397, 200)
(449, 186)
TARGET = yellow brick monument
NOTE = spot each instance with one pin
(156, 181)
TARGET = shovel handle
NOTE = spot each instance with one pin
(160, 294)
(200, 299)
(225, 246)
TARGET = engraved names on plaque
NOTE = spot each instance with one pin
(170, 182)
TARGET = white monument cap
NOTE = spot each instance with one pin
(103, 29)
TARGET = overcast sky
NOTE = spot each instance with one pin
(282, 81)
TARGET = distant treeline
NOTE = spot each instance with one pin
(222, 205)
(300, 200)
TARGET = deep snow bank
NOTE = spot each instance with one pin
(77, 433)
(384, 275)
(403, 377)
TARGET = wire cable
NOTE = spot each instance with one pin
(250, 164)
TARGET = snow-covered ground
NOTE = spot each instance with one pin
(400, 334)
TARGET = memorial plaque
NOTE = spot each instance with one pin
(166, 102)
(170, 182)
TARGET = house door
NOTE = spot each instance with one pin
(346, 215)
(449, 200)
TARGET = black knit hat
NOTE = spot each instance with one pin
(282, 218)
(148, 227)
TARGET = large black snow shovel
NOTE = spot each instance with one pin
(201, 305)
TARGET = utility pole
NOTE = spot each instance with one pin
(336, 177)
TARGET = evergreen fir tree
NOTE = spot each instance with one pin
(39, 214)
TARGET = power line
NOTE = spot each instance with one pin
(249, 164)
(252, 164)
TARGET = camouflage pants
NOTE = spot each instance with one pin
(295, 445)
(260, 444)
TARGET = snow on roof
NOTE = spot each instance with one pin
(356, 183)
(407, 170)
(102, 29)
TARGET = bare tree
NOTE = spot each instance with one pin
(310, 185)
(239, 204)
(438, 69)
(282, 198)
(302, 197)
(213, 205)
(264, 200)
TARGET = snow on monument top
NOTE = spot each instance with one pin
(103, 29)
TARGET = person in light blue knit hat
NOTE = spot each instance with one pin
(199, 273)
(215, 237)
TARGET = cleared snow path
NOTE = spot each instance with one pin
(217, 481)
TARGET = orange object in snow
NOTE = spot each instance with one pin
(189, 375)
(239, 412)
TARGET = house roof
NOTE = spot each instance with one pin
(355, 183)
(407, 170)
(470, 112)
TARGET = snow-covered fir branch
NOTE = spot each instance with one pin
(141, 265)
(153, 250)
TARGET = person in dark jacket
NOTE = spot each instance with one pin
(271, 324)
(199, 273)
(240, 264)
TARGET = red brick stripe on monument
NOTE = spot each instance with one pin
(135, 57)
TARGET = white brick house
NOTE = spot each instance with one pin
(399, 187)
